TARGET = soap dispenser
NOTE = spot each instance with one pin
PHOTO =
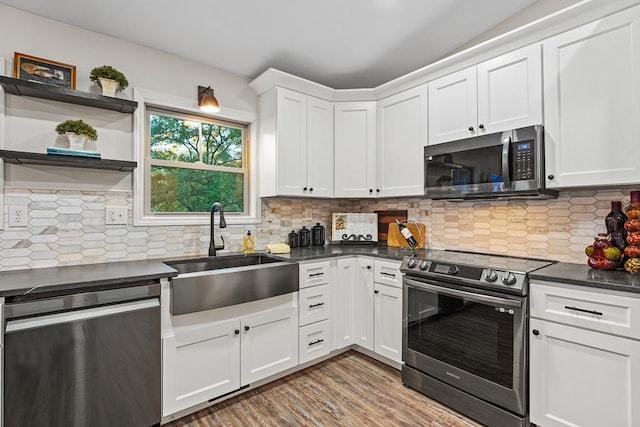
(249, 243)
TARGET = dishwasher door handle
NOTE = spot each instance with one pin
(17, 325)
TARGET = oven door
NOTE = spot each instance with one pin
(474, 342)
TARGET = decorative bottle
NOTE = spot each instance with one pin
(614, 222)
(406, 233)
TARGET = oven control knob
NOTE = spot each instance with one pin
(491, 276)
(411, 263)
(453, 269)
(508, 278)
(424, 264)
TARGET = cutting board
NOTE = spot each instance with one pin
(396, 239)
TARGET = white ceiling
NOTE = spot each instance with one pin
(338, 43)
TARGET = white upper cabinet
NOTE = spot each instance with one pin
(355, 149)
(402, 135)
(592, 103)
(499, 94)
(296, 144)
(453, 106)
(510, 90)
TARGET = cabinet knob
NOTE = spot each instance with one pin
(237, 331)
(368, 267)
(371, 190)
(304, 189)
(470, 128)
(481, 126)
(535, 332)
(377, 190)
(311, 189)
(376, 291)
(550, 176)
(246, 328)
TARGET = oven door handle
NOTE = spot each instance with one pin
(464, 294)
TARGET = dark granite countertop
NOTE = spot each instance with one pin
(329, 251)
(583, 275)
(81, 277)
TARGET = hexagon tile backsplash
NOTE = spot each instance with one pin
(68, 227)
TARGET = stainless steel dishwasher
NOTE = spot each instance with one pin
(90, 359)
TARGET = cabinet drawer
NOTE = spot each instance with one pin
(596, 310)
(317, 273)
(388, 273)
(315, 304)
(314, 341)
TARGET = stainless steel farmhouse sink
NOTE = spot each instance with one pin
(215, 282)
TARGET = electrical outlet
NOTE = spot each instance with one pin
(18, 216)
(116, 215)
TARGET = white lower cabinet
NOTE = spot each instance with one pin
(378, 307)
(388, 321)
(584, 354)
(314, 341)
(315, 302)
(583, 378)
(344, 302)
(208, 354)
(269, 344)
(364, 303)
(199, 364)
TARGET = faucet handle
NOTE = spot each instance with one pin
(220, 247)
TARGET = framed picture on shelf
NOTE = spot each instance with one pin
(27, 67)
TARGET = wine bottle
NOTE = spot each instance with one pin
(614, 223)
(406, 233)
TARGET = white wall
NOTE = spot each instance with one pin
(29, 123)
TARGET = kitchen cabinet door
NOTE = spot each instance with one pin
(269, 343)
(453, 106)
(402, 135)
(291, 132)
(364, 306)
(320, 138)
(355, 149)
(510, 90)
(199, 364)
(592, 103)
(582, 378)
(344, 302)
(388, 321)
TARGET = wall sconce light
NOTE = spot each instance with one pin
(207, 101)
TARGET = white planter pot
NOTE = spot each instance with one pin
(76, 142)
(109, 87)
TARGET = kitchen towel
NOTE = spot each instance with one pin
(278, 248)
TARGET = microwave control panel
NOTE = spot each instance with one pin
(523, 161)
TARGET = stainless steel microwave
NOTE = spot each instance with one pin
(505, 164)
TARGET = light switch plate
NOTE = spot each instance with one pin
(116, 215)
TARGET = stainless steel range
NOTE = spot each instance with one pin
(464, 339)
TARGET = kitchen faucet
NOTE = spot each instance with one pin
(223, 224)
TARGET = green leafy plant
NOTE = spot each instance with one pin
(78, 127)
(108, 72)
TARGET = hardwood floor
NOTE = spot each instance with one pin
(350, 389)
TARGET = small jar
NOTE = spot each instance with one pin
(294, 239)
(305, 237)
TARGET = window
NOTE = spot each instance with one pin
(192, 161)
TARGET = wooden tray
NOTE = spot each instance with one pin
(396, 239)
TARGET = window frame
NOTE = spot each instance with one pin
(179, 105)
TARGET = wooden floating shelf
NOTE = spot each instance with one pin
(55, 93)
(26, 158)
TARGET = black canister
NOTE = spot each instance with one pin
(294, 239)
(317, 235)
(305, 237)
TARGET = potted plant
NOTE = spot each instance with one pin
(110, 79)
(77, 132)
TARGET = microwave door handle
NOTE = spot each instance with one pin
(506, 166)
